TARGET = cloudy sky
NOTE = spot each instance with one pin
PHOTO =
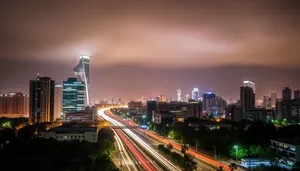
(138, 48)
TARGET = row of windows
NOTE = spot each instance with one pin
(78, 136)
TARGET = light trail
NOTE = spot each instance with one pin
(123, 152)
(177, 146)
(163, 161)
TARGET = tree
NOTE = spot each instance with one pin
(184, 148)
(189, 163)
(170, 146)
(271, 154)
(232, 166)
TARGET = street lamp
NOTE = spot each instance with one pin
(196, 144)
(215, 151)
(236, 151)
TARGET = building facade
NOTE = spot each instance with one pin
(260, 114)
(247, 98)
(58, 101)
(286, 93)
(250, 84)
(82, 72)
(41, 100)
(71, 134)
(195, 93)
(178, 95)
(290, 149)
(14, 104)
(273, 99)
(74, 93)
(267, 102)
(297, 94)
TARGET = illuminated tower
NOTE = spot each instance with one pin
(195, 93)
(178, 95)
(82, 72)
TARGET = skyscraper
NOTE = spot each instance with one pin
(250, 84)
(273, 99)
(286, 93)
(74, 93)
(208, 101)
(82, 72)
(178, 95)
(195, 93)
(267, 102)
(247, 98)
(41, 100)
(297, 94)
(58, 101)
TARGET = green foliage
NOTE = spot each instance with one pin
(106, 133)
(170, 146)
(12, 122)
(232, 166)
(174, 135)
(184, 148)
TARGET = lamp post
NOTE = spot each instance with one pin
(215, 151)
(196, 144)
(236, 151)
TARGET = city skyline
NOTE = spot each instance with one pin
(182, 45)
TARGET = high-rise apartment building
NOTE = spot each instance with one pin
(74, 93)
(41, 100)
(273, 99)
(178, 95)
(286, 93)
(247, 98)
(82, 72)
(297, 94)
(250, 84)
(195, 93)
(267, 102)
(58, 101)
(14, 104)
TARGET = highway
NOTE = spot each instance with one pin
(177, 146)
(125, 160)
(151, 151)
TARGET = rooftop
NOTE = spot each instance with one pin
(72, 129)
(289, 141)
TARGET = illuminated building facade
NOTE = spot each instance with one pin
(74, 93)
(273, 99)
(14, 104)
(178, 95)
(250, 84)
(213, 105)
(58, 101)
(267, 102)
(82, 72)
(195, 93)
(41, 100)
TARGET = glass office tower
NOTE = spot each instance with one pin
(74, 95)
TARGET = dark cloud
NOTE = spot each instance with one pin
(162, 37)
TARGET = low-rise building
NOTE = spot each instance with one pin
(290, 149)
(260, 114)
(69, 134)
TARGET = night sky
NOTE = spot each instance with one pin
(138, 48)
